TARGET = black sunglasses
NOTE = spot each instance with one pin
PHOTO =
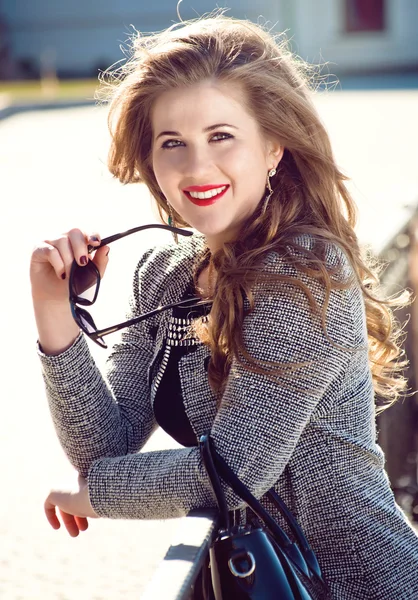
(84, 287)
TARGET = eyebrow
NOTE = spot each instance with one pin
(210, 128)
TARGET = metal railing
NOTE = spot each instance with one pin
(174, 577)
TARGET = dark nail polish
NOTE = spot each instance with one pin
(94, 238)
(83, 260)
(107, 253)
(63, 276)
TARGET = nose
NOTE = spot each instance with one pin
(197, 162)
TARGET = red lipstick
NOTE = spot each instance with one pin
(204, 188)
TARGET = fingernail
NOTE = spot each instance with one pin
(63, 276)
(107, 253)
(83, 260)
(94, 238)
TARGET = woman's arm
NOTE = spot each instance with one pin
(96, 417)
(259, 422)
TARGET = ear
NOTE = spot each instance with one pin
(274, 154)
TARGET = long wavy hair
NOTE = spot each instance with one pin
(310, 196)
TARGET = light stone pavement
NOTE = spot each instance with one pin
(53, 177)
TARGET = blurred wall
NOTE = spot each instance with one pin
(356, 35)
(79, 36)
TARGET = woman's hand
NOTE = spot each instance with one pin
(74, 507)
(51, 263)
(49, 271)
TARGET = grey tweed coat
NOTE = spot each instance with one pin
(315, 441)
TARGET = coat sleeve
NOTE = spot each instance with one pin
(260, 419)
(94, 416)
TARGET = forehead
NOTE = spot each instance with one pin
(201, 105)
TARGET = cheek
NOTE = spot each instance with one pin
(250, 172)
(248, 160)
(167, 178)
(160, 171)
(166, 164)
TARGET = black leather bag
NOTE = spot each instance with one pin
(257, 562)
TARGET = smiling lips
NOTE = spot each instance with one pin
(203, 195)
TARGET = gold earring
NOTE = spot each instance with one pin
(270, 174)
(172, 223)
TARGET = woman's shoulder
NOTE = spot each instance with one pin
(304, 248)
(164, 271)
(164, 258)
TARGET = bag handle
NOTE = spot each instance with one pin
(303, 556)
(205, 452)
(307, 552)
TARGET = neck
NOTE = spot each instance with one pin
(213, 244)
(207, 279)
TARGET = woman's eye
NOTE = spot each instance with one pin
(218, 137)
(171, 144)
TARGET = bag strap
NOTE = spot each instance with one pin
(306, 550)
(303, 557)
(205, 452)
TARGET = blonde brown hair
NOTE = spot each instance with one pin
(310, 196)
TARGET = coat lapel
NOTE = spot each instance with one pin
(199, 400)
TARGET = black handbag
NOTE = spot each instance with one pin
(255, 562)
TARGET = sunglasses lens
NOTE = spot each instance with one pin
(85, 282)
(87, 324)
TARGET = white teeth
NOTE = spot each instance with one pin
(208, 194)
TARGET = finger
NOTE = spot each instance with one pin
(82, 523)
(63, 247)
(48, 253)
(101, 259)
(51, 515)
(79, 242)
(94, 239)
(69, 523)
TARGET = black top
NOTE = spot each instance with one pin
(168, 403)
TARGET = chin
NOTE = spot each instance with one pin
(210, 231)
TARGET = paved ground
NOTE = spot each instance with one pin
(53, 177)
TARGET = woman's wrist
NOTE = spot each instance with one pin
(57, 329)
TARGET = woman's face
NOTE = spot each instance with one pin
(210, 158)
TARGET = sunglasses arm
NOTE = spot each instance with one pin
(118, 236)
(190, 303)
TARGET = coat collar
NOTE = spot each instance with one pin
(199, 400)
(180, 266)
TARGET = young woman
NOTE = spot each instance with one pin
(283, 366)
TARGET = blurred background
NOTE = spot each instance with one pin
(76, 39)
(53, 176)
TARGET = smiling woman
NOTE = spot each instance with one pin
(205, 164)
(282, 360)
